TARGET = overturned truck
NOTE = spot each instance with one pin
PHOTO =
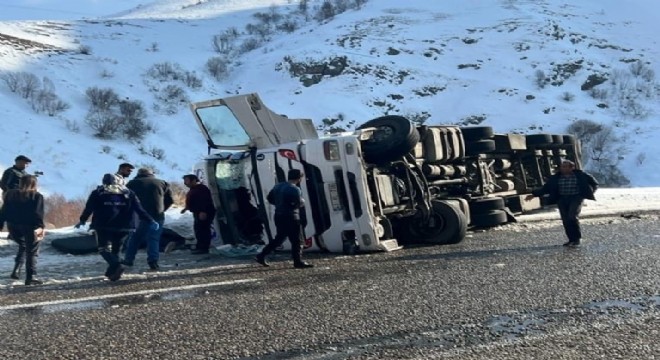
(388, 183)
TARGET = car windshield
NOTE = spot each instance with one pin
(222, 127)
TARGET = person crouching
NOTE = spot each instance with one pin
(113, 207)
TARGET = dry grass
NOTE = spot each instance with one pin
(179, 192)
(61, 212)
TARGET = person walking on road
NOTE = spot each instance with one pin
(23, 211)
(12, 176)
(287, 198)
(200, 203)
(155, 196)
(569, 187)
(123, 172)
(113, 207)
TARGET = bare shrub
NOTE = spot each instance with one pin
(104, 123)
(173, 94)
(153, 47)
(28, 84)
(56, 106)
(326, 11)
(249, 45)
(191, 80)
(540, 79)
(598, 93)
(153, 151)
(223, 43)
(106, 74)
(72, 126)
(341, 6)
(288, 26)
(567, 96)
(11, 79)
(634, 109)
(85, 50)
(359, 3)
(262, 30)
(165, 71)
(217, 67)
(641, 157)
(132, 120)
(641, 70)
(101, 99)
(60, 211)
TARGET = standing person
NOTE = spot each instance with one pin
(114, 208)
(200, 203)
(12, 176)
(23, 210)
(123, 172)
(155, 196)
(287, 198)
(569, 187)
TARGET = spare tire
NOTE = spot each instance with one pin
(539, 139)
(557, 139)
(76, 244)
(569, 139)
(479, 147)
(395, 137)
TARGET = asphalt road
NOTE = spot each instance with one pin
(512, 293)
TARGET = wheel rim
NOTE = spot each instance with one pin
(383, 133)
(435, 225)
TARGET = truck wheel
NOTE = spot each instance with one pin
(539, 139)
(475, 133)
(569, 139)
(490, 219)
(558, 139)
(486, 205)
(479, 147)
(447, 225)
(395, 137)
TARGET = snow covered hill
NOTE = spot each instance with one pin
(515, 65)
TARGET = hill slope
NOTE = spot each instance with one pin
(515, 65)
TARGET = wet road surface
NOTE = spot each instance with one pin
(509, 293)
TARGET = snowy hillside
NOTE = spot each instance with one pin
(514, 65)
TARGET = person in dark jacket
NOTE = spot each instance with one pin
(568, 188)
(156, 197)
(12, 176)
(200, 203)
(23, 211)
(114, 208)
(287, 198)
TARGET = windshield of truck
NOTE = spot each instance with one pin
(222, 127)
(230, 174)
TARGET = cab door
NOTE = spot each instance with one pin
(243, 122)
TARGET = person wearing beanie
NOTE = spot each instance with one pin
(113, 207)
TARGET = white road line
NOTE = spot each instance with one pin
(126, 294)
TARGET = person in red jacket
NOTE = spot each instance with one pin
(200, 203)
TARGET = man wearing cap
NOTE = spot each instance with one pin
(12, 176)
(114, 208)
(156, 197)
(123, 172)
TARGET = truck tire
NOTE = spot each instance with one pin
(539, 139)
(558, 139)
(447, 225)
(490, 219)
(479, 147)
(569, 139)
(486, 205)
(475, 133)
(396, 136)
